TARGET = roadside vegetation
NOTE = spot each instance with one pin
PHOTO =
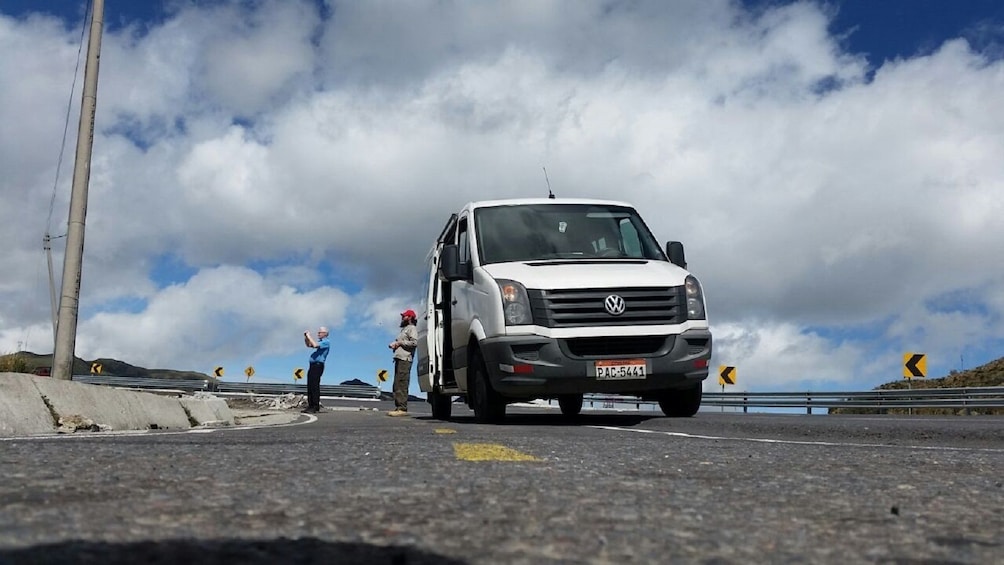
(14, 363)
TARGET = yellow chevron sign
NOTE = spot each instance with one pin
(382, 375)
(96, 368)
(249, 371)
(298, 374)
(914, 365)
(726, 375)
(218, 371)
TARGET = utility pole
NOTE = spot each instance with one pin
(66, 326)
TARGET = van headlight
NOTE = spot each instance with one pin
(515, 303)
(695, 299)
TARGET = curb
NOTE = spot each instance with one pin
(32, 405)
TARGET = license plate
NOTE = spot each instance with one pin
(616, 369)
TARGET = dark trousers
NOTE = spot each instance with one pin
(314, 385)
(402, 374)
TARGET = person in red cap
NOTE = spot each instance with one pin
(403, 348)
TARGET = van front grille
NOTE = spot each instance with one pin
(585, 307)
(615, 345)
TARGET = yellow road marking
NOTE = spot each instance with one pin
(445, 431)
(489, 452)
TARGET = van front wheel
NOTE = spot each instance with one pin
(489, 407)
(681, 403)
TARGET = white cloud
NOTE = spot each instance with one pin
(769, 356)
(260, 54)
(219, 313)
(328, 153)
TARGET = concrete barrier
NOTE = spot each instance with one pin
(22, 410)
(206, 410)
(31, 405)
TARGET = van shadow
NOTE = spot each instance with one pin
(559, 420)
(221, 552)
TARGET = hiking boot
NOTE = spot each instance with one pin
(397, 413)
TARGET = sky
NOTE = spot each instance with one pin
(834, 170)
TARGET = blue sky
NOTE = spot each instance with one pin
(266, 167)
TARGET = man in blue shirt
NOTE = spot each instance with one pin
(317, 359)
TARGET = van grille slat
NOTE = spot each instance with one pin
(618, 346)
(585, 307)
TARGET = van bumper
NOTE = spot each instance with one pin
(540, 367)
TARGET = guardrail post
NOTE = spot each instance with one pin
(746, 401)
(808, 403)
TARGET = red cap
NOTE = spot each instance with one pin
(410, 313)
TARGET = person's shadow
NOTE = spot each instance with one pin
(304, 551)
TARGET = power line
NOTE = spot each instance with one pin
(47, 240)
(66, 122)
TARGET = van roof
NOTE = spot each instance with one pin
(521, 201)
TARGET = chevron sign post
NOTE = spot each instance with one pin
(381, 378)
(726, 376)
(914, 366)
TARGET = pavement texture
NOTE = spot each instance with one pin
(32, 405)
(353, 486)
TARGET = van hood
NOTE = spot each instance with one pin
(589, 274)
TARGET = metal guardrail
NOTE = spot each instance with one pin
(348, 391)
(955, 398)
(189, 385)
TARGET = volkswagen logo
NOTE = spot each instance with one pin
(614, 305)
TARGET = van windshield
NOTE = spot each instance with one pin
(533, 232)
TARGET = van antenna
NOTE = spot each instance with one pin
(549, 193)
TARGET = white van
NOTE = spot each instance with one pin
(554, 298)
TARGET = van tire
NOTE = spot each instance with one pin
(489, 407)
(570, 404)
(681, 403)
(442, 405)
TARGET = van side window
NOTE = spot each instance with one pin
(464, 248)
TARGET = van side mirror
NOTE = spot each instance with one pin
(674, 249)
(450, 266)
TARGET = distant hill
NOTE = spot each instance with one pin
(384, 394)
(110, 367)
(990, 374)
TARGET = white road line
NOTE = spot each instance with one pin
(797, 442)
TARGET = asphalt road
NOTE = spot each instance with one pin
(359, 487)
